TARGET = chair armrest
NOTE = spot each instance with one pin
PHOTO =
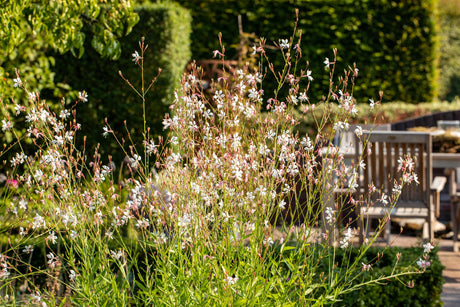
(436, 187)
(438, 184)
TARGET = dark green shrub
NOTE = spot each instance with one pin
(410, 290)
(392, 42)
(449, 62)
(31, 31)
(166, 28)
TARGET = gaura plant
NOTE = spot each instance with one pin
(232, 208)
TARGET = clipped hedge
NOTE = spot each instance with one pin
(392, 42)
(449, 62)
(166, 28)
(410, 290)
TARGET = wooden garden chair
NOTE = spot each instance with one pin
(346, 140)
(416, 200)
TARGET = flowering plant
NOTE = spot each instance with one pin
(226, 210)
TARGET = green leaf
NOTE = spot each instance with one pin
(131, 21)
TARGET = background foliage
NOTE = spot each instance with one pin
(392, 42)
(449, 38)
(426, 289)
(33, 32)
(166, 28)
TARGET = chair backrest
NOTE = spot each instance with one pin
(387, 147)
(345, 140)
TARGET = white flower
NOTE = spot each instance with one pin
(17, 82)
(32, 96)
(346, 239)
(218, 96)
(134, 161)
(270, 135)
(58, 140)
(52, 237)
(22, 232)
(83, 96)
(38, 222)
(423, 263)
(366, 267)
(73, 234)
(263, 150)
(282, 204)
(116, 255)
(51, 259)
(253, 94)
(310, 78)
(307, 144)
(72, 275)
(284, 44)
(397, 189)
(358, 131)
(18, 109)
(136, 57)
(37, 297)
(6, 125)
(362, 165)
(231, 280)
(339, 126)
(69, 136)
(303, 97)
(384, 199)
(106, 131)
(184, 220)
(43, 115)
(330, 215)
(326, 63)
(19, 159)
(142, 223)
(23, 204)
(109, 235)
(64, 114)
(28, 249)
(268, 241)
(427, 247)
(371, 103)
(4, 273)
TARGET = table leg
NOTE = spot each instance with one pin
(454, 213)
(454, 205)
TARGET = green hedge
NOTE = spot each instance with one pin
(426, 290)
(449, 62)
(166, 28)
(392, 42)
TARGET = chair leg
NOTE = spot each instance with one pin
(431, 222)
(425, 230)
(454, 213)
